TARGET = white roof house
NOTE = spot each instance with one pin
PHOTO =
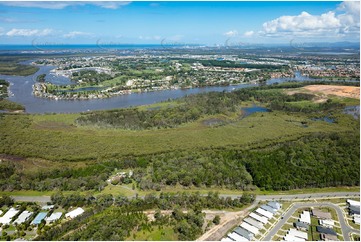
(269, 209)
(23, 217)
(297, 233)
(253, 222)
(260, 218)
(353, 202)
(236, 237)
(305, 217)
(356, 218)
(329, 223)
(47, 207)
(53, 217)
(8, 216)
(275, 205)
(226, 240)
(264, 213)
(74, 213)
(249, 228)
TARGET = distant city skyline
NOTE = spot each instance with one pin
(178, 23)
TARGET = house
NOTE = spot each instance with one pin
(269, 209)
(305, 217)
(328, 237)
(244, 233)
(354, 209)
(226, 239)
(47, 207)
(324, 230)
(257, 217)
(322, 215)
(37, 220)
(53, 217)
(353, 203)
(8, 216)
(249, 228)
(23, 217)
(275, 205)
(329, 223)
(253, 222)
(236, 237)
(301, 226)
(297, 233)
(264, 213)
(74, 213)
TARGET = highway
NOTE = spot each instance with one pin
(344, 227)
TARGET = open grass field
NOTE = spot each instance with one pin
(157, 234)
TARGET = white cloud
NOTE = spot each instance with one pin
(109, 5)
(74, 34)
(61, 5)
(330, 24)
(231, 33)
(248, 33)
(29, 32)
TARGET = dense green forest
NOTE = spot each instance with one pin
(318, 160)
(116, 218)
(193, 107)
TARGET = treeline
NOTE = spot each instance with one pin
(233, 64)
(92, 177)
(318, 160)
(193, 107)
(164, 201)
(197, 168)
(117, 218)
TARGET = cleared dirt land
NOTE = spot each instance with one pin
(341, 91)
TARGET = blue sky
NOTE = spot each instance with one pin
(210, 23)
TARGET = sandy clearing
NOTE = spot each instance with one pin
(341, 91)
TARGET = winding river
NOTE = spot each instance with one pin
(21, 92)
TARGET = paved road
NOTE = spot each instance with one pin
(44, 199)
(40, 199)
(299, 196)
(344, 227)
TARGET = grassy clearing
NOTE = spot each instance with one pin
(157, 234)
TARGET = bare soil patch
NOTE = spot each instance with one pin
(341, 91)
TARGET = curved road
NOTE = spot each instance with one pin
(346, 230)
